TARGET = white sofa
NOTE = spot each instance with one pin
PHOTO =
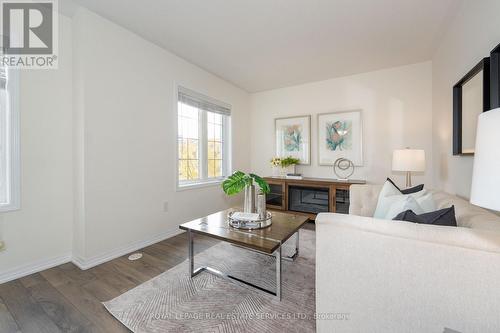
(392, 276)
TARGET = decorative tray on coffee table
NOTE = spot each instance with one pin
(249, 224)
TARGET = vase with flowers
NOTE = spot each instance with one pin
(276, 165)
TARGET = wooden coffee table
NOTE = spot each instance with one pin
(267, 241)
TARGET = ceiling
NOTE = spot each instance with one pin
(266, 44)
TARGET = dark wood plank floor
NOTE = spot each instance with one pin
(67, 299)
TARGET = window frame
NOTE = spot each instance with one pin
(204, 181)
(13, 150)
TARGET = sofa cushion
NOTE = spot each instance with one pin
(445, 217)
(468, 215)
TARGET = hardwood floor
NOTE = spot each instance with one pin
(67, 299)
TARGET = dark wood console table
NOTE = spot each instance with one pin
(309, 196)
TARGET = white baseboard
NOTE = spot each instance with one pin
(41, 265)
(118, 252)
(33, 267)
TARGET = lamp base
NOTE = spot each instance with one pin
(408, 179)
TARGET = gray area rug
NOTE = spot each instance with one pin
(173, 302)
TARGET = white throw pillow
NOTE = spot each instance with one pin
(401, 204)
(427, 203)
(387, 196)
(383, 204)
(391, 200)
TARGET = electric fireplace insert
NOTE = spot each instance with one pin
(308, 199)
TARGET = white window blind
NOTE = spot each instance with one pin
(202, 102)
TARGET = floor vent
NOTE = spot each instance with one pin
(135, 256)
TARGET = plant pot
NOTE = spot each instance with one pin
(261, 205)
(276, 171)
(287, 170)
(249, 203)
(283, 172)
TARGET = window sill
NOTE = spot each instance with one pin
(9, 207)
(192, 186)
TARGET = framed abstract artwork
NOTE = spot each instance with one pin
(340, 135)
(293, 138)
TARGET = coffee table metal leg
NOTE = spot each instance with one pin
(193, 272)
(278, 272)
(296, 254)
(297, 243)
(191, 254)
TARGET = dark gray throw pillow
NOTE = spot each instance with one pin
(444, 217)
(408, 216)
(410, 190)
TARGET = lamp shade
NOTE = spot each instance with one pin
(408, 160)
(485, 190)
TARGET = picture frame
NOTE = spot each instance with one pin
(340, 135)
(471, 97)
(293, 138)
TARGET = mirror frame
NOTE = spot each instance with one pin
(483, 65)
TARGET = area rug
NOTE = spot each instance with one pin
(174, 302)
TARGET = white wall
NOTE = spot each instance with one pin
(41, 229)
(125, 138)
(472, 34)
(397, 113)
(98, 149)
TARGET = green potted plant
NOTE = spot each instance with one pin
(285, 164)
(288, 164)
(240, 181)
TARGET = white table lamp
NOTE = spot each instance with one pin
(485, 190)
(408, 160)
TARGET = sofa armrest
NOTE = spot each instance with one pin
(363, 199)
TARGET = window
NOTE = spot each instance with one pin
(203, 131)
(9, 141)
